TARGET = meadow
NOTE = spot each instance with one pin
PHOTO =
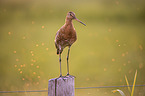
(108, 48)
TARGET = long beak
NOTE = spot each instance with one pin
(80, 21)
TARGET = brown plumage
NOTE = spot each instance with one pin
(66, 36)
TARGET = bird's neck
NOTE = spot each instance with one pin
(68, 21)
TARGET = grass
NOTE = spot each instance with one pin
(133, 87)
(112, 43)
(127, 84)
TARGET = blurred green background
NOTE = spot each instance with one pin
(108, 48)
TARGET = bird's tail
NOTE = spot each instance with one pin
(59, 51)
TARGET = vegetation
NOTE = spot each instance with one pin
(109, 47)
(133, 87)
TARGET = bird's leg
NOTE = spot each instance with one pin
(68, 63)
(60, 64)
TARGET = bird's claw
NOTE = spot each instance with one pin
(63, 77)
(71, 76)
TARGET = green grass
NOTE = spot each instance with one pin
(112, 43)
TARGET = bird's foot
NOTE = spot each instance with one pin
(71, 76)
(61, 77)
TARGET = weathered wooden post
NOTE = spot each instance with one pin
(61, 86)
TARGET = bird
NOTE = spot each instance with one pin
(65, 37)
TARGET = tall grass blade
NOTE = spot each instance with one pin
(134, 83)
(127, 84)
(119, 92)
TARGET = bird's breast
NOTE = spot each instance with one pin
(69, 32)
(65, 36)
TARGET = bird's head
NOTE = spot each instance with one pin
(71, 15)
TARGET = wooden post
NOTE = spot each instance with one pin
(63, 86)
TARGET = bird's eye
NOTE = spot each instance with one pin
(70, 14)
